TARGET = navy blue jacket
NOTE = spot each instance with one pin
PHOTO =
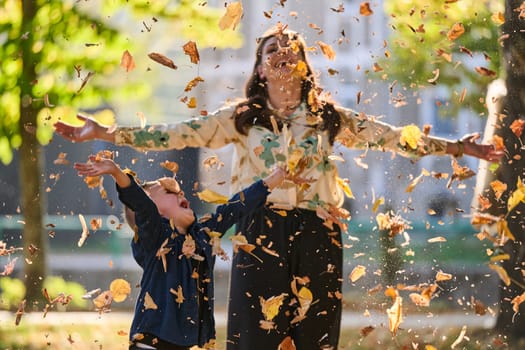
(191, 321)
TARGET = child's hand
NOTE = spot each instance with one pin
(97, 166)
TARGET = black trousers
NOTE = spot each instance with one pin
(297, 244)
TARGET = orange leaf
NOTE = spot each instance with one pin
(517, 127)
(364, 9)
(456, 31)
(127, 61)
(327, 50)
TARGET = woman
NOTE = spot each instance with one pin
(288, 288)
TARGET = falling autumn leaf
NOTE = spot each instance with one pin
(179, 296)
(516, 302)
(159, 58)
(232, 17)
(149, 303)
(442, 276)
(460, 337)
(287, 344)
(190, 49)
(270, 307)
(119, 289)
(193, 83)
(517, 127)
(485, 72)
(20, 311)
(498, 187)
(410, 135)
(210, 196)
(364, 9)
(171, 166)
(327, 50)
(517, 197)
(456, 31)
(395, 315)
(127, 62)
(498, 18)
(357, 272)
(460, 173)
(85, 231)
(61, 159)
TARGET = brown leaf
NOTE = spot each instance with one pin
(190, 49)
(159, 58)
(485, 71)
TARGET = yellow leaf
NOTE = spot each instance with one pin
(517, 196)
(498, 18)
(345, 186)
(410, 135)
(192, 103)
(232, 17)
(212, 197)
(300, 70)
(120, 289)
(270, 308)
(377, 203)
(501, 273)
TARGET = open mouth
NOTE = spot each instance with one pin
(184, 204)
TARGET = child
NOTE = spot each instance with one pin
(174, 309)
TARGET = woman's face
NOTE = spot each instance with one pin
(279, 59)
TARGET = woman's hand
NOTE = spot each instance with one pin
(481, 151)
(91, 130)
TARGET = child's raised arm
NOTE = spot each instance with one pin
(101, 166)
(275, 178)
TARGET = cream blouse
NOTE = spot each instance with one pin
(261, 149)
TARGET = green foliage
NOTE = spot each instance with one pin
(419, 49)
(56, 285)
(12, 291)
(76, 50)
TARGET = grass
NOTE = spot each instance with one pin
(86, 331)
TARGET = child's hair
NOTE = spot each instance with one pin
(129, 214)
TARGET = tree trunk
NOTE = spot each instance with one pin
(30, 169)
(511, 169)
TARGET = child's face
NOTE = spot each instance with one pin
(172, 205)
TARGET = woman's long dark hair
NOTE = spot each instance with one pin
(255, 110)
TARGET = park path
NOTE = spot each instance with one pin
(350, 319)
